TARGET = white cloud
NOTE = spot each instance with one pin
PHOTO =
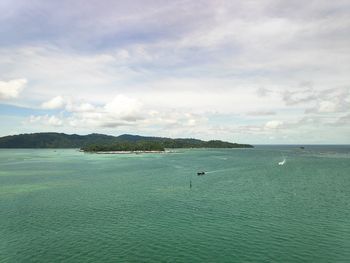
(274, 124)
(335, 100)
(123, 107)
(34, 119)
(82, 107)
(121, 111)
(299, 96)
(46, 120)
(327, 106)
(54, 121)
(12, 88)
(123, 54)
(55, 103)
(261, 113)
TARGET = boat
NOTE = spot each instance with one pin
(200, 173)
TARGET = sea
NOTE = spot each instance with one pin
(62, 205)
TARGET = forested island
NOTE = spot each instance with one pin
(108, 143)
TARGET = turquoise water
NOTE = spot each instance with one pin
(67, 206)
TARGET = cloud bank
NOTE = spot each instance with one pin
(250, 71)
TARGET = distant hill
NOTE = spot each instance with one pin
(62, 140)
(53, 140)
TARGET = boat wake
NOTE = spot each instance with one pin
(282, 162)
(216, 171)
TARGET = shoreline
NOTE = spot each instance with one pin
(124, 152)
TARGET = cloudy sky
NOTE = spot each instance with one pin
(263, 71)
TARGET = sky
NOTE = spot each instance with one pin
(260, 72)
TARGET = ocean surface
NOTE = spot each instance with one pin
(67, 206)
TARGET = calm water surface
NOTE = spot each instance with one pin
(67, 206)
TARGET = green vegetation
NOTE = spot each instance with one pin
(100, 142)
(125, 146)
(53, 140)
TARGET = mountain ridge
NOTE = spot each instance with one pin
(63, 140)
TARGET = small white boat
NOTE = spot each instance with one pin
(282, 162)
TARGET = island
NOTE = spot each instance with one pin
(100, 143)
(125, 147)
